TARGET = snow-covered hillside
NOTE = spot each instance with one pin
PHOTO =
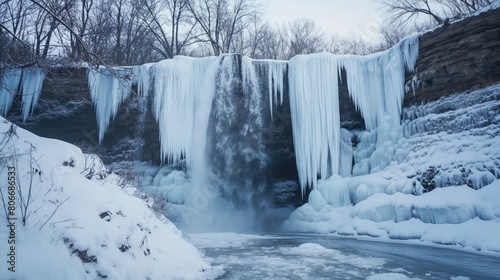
(439, 183)
(81, 222)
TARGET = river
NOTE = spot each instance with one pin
(245, 256)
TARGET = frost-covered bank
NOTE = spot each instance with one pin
(440, 183)
(81, 222)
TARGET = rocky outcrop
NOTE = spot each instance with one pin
(457, 57)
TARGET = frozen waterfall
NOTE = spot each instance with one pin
(29, 81)
(218, 100)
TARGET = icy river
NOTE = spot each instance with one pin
(240, 256)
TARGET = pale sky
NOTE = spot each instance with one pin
(342, 17)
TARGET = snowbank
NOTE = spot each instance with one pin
(83, 222)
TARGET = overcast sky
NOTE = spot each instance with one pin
(343, 17)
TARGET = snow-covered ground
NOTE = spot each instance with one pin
(439, 184)
(82, 222)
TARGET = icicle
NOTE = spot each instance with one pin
(376, 82)
(108, 91)
(276, 73)
(314, 103)
(250, 86)
(178, 84)
(31, 85)
(9, 85)
(142, 78)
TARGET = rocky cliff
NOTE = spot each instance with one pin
(457, 57)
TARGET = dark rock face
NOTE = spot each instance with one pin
(458, 57)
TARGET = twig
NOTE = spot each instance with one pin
(55, 210)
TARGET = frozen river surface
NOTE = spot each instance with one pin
(238, 256)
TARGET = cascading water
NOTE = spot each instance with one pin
(236, 153)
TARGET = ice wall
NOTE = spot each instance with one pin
(376, 82)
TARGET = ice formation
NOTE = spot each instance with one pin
(108, 90)
(314, 105)
(376, 84)
(29, 81)
(447, 182)
(210, 114)
(142, 78)
(31, 86)
(183, 87)
(276, 79)
(9, 85)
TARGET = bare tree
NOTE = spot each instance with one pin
(45, 24)
(273, 43)
(463, 7)
(221, 20)
(171, 25)
(80, 16)
(304, 37)
(258, 31)
(404, 11)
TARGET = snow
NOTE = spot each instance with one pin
(85, 222)
(441, 187)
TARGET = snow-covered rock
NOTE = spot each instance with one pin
(82, 222)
